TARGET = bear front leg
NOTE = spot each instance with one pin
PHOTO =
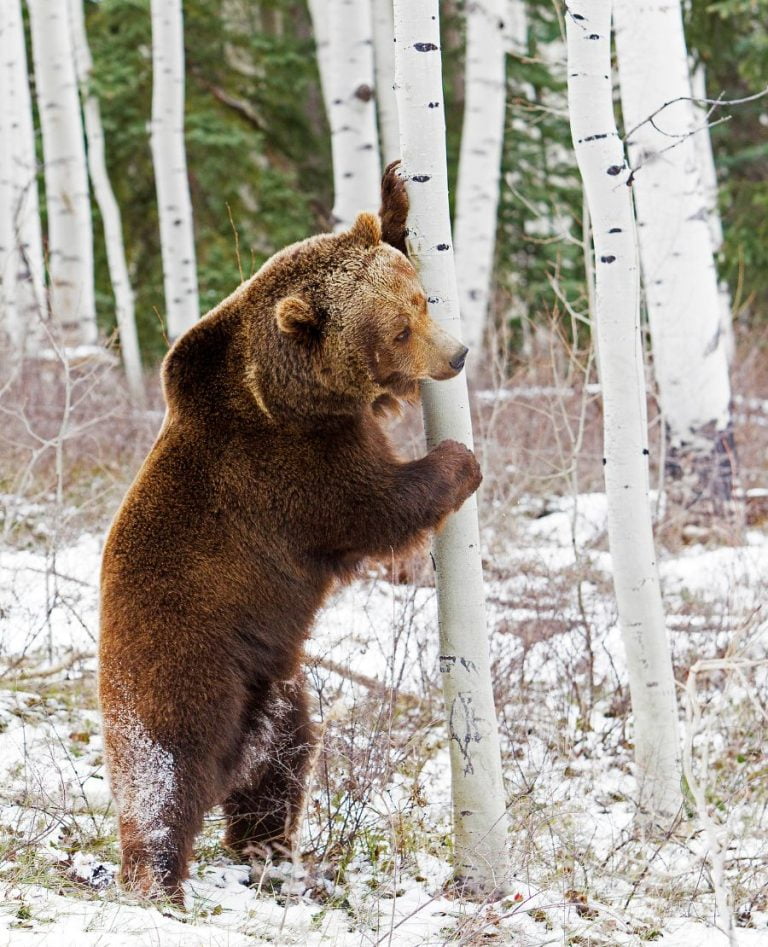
(395, 513)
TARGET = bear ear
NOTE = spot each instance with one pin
(294, 316)
(366, 230)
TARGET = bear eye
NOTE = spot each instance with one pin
(404, 335)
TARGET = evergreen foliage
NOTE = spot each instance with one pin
(731, 38)
(257, 146)
(540, 212)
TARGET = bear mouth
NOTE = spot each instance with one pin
(402, 386)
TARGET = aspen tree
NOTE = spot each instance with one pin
(318, 10)
(479, 813)
(174, 205)
(27, 265)
(384, 62)
(10, 328)
(70, 234)
(676, 253)
(600, 156)
(110, 213)
(477, 189)
(352, 117)
(708, 176)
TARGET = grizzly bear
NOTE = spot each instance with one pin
(270, 481)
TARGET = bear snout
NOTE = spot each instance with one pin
(457, 362)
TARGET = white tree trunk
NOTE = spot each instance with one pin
(477, 189)
(605, 174)
(70, 235)
(480, 820)
(676, 252)
(10, 324)
(110, 213)
(354, 138)
(318, 10)
(515, 27)
(708, 172)
(177, 235)
(28, 272)
(384, 61)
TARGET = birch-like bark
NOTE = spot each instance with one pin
(10, 324)
(515, 28)
(354, 137)
(677, 259)
(603, 168)
(477, 189)
(318, 10)
(384, 62)
(110, 213)
(479, 812)
(708, 174)
(70, 235)
(28, 268)
(174, 205)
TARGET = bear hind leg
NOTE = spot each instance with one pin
(159, 819)
(264, 806)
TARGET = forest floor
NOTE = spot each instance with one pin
(375, 845)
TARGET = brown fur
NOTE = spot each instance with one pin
(270, 481)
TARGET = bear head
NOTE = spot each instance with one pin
(364, 320)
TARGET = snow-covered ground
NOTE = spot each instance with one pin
(377, 832)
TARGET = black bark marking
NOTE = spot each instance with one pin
(364, 92)
(607, 259)
(433, 299)
(594, 36)
(577, 16)
(468, 665)
(713, 343)
(433, 105)
(604, 461)
(443, 246)
(421, 178)
(424, 47)
(446, 662)
(462, 727)
(614, 169)
(646, 452)
(615, 230)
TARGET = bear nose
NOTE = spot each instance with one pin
(457, 362)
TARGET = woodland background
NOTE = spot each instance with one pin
(258, 150)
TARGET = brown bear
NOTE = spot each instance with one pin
(270, 480)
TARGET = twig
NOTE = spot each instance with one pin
(690, 98)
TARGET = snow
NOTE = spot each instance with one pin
(568, 762)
